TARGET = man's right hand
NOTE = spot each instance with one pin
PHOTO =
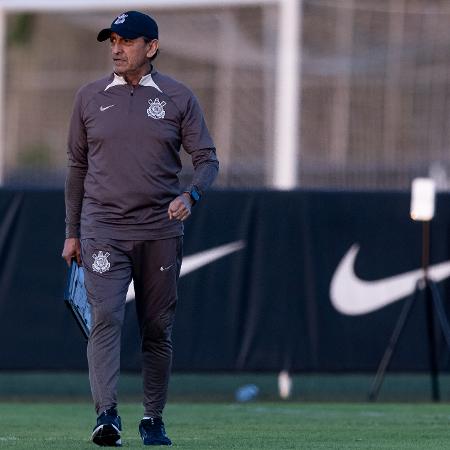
(72, 250)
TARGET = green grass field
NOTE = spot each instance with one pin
(263, 425)
(53, 411)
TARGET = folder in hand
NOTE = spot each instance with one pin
(76, 299)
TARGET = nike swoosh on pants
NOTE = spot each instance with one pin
(352, 296)
(198, 260)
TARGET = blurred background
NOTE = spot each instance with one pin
(372, 97)
(322, 111)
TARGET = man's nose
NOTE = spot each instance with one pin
(116, 48)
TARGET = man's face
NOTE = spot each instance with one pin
(131, 55)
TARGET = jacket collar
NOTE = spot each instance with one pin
(146, 80)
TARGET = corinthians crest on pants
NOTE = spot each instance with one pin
(156, 109)
(101, 263)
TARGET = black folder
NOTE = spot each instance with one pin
(76, 299)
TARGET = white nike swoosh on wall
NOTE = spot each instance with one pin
(352, 296)
(198, 260)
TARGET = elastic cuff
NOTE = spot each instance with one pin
(72, 232)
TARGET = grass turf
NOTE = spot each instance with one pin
(258, 425)
(216, 387)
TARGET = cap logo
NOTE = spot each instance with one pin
(156, 109)
(120, 19)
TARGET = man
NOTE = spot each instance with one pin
(124, 212)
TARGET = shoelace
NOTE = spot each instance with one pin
(151, 423)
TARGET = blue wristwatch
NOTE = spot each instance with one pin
(194, 194)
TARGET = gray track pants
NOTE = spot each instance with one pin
(109, 266)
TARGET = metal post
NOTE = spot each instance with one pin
(223, 110)
(287, 90)
(425, 248)
(340, 120)
(392, 94)
(431, 329)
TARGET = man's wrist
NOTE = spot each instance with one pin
(188, 196)
(73, 232)
(194, 194)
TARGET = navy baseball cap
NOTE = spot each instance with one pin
(131, 25)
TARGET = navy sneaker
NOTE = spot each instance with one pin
(107, 431)
(153, 433)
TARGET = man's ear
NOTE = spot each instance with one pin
(154, 45)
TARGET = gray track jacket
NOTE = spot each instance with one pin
(124, 157)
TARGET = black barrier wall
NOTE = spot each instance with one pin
(255, 287)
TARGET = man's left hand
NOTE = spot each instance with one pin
(180, 207)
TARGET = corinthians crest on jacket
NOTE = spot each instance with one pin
(156, 109)
(101, 263)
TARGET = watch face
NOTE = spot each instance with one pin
(195, 195)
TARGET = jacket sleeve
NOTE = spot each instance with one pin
(197, 142)
(77, 168)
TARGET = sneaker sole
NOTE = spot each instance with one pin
(106, 436)
(161, 443)
(157, 442)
